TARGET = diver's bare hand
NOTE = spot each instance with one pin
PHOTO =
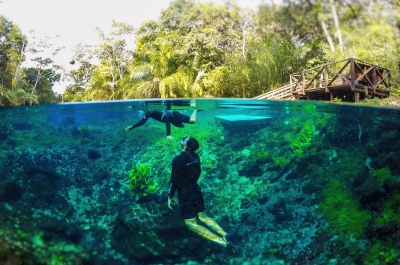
(128, 128)
(169, 137)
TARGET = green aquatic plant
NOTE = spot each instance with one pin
(139, 184)
(84, 131)
(308, 108)
(273, 251)
(383, 174)
(261, 155)
(390, 211)
(6, 130)
(342, 211)
(281, 161)
(382, 253)
(37, 248)
(303, 139)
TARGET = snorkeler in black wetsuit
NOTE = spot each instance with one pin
(186, 170)
(168, 117)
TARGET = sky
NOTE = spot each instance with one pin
(74, 21)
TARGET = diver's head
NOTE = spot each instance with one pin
(190, 143)
(141, 113)
(144, 113)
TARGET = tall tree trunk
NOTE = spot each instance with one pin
(15, 83)
(337, 26)
(244, 44)
(328, 37)
(112, 87)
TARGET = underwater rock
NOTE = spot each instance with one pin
(43, 188)
(6, 129)
(392, 186)
(263, 200)
(370, 193)
(10, 192)
(310, 187)
(35, 170)
(167, 238)
(280, 211)
(23, 126)
(386, 231)
(361, 177)
(251, 171)
(68, 120)
(93, 154)
(237, 144)
(348, 131)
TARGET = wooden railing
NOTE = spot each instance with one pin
(352, 75)
(350, 72)
(284, 92)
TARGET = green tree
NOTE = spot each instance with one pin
(42, 72)
(78, 78)
(12, 47)
(190, 39)
(201, 49)
(43, 86)
(114, 56)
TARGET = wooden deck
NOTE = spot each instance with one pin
(347, 80)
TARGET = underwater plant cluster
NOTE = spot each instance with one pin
(317, 184)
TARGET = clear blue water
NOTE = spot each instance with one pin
(294, 183)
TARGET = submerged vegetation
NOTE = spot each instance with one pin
(312, 185)
(200, 49)
(343, 211)
(140, 183)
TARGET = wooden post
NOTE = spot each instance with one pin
(331, 93)
(326, 78)
(352, 75)
(291, 86)
(356, 96)
(374, 79)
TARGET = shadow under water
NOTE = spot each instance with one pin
(295, 182)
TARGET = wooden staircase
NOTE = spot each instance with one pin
(284, 92)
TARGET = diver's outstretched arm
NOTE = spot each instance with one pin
(139, 123)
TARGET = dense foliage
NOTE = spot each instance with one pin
(24, 85)
(198, 49)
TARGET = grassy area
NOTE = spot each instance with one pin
(393, 101)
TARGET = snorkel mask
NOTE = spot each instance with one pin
(184, 140)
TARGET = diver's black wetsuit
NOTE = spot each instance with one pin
(186, 170)
(167, 116)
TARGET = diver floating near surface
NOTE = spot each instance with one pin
(186, 170)
(168, 117)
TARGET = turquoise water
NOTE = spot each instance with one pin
(294, 182)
